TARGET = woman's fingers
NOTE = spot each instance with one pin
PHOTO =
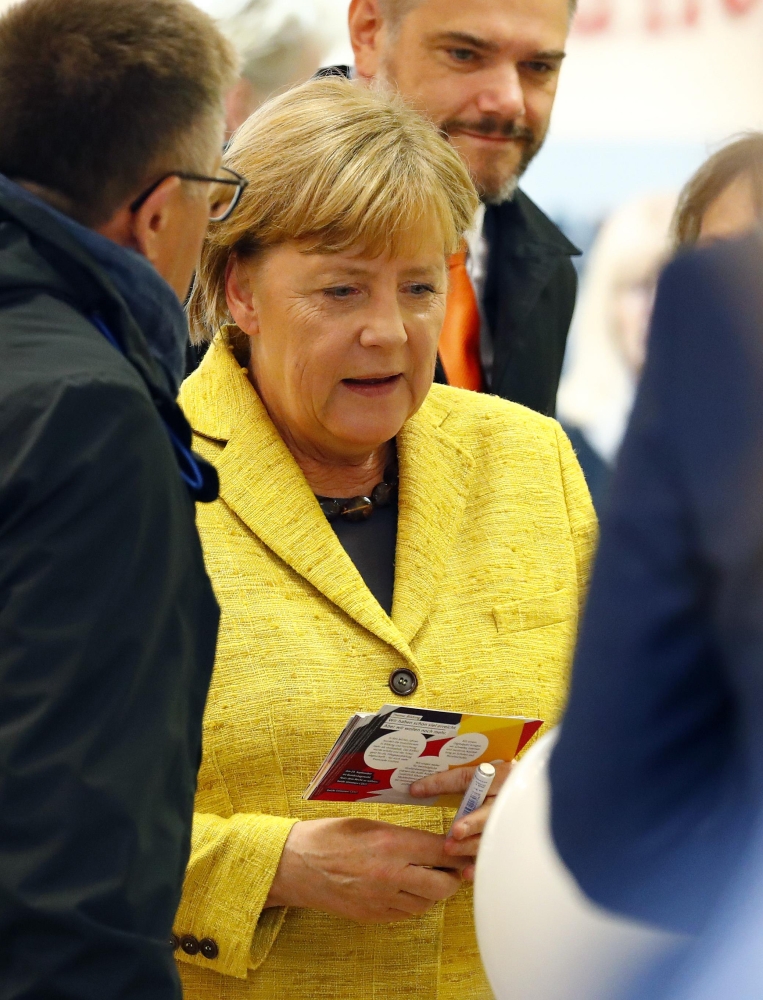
(410, 847)
(456, 781)
(471, 825)
(412, 905)
(502, 771)
(365, 870)
(462, 849)
(430, 883)
(453, 782)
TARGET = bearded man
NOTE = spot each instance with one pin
(486, 73)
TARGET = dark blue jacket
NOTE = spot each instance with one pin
(108, 625)
(658, 773)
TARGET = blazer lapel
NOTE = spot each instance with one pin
(435, 478)
(264, 486)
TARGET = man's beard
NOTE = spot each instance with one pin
(496, 189)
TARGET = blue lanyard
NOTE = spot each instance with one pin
(187, 464)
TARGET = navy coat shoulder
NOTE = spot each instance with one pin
(658, 772)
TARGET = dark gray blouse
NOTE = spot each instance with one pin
(371, 546)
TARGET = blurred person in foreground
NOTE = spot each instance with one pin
(486, 73)
(112, 128)
(279, 44)
(657, 778)
(609, 333)
(377, 539)
(725, 959)
(724, 199)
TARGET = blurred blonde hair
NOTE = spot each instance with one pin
(276, 40)
(332, 166)
(597, 387)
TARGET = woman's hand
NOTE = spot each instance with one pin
(464, 839)
(364, 870)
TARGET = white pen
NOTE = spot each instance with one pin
(476, 793)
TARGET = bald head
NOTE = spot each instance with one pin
(393, 11)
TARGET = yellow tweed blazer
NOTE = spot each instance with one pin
(495, 535)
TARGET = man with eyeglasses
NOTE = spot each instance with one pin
(109, 175)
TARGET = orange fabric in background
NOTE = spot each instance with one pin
(460, 337)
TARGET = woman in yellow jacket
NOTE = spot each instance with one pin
(459, 590)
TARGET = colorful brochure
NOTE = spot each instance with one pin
(379, 755)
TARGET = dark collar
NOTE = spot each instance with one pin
(532, 233)
(53, 260)
(98, 275)
(341, 71)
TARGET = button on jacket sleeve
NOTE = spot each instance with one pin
(233, 864)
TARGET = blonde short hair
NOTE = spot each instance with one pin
(333, 165)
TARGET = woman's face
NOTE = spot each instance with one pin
(343, 346)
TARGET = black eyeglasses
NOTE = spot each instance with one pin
(223, 197)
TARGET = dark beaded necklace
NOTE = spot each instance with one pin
(360, 507)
